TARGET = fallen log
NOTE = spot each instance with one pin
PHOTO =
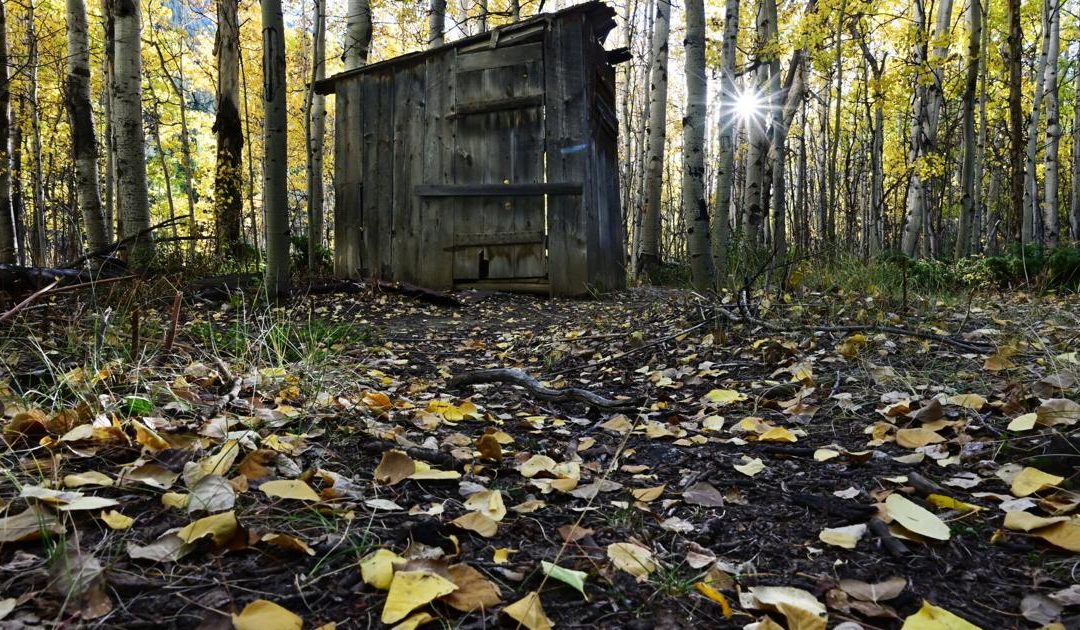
(536, 388)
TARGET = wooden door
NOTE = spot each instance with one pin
(500, 229)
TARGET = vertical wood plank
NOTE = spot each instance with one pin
(566, 143)
(436, 215)
(347, 178)
(408, 141)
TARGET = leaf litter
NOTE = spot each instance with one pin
(771, 478)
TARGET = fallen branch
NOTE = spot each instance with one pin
(746, 317)
(537, 389)
(109, 249)
(28, 301)
(891, 543)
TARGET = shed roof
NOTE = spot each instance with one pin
(594, 10)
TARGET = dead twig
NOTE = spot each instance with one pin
(537, 389)
(28, 301)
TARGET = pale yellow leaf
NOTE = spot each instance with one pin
(410, 590)
(265, 615)
(528, 612)
(930, 617)
(916, 518)
(289, 489)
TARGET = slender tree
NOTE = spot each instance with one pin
(1053, 128)
(8, 236)
(1074, 201)
(695, 210)
(967, 104)
(228, 170)
(275, 167)
(83, 132)
(38, 239)
(725, 175)
(315, 128)
(1014, 63)
(436, 23)
(358, 34)
(649, 260)
(130, 136)
(756, 190)
(1031, 216)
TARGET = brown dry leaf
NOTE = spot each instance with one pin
(287, 542)
(394, 467)
(528, 612)
(255, 465)
(1058, 411)
(474, 591)
(573, 533)
(30, 524)
(879, 592)
(489, 447)
(632, 558)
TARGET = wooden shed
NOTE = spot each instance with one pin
(490, 162)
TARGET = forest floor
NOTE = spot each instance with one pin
(313, 460)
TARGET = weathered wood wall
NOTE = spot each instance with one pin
(489, 162)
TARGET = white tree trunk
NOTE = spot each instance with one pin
(725, 175)
(275, 175)
(130, 136)
(1053, 129)
(1029, 228)
(316, 129)
(924, 124)
(436, 23)
(695, 210)
(357, 34)
(83, 132)
(654, 161)
(755, 193)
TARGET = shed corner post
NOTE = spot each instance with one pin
(347, 235)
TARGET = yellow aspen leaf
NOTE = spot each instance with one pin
(116, 520)
(424, 471)
(777, 434)
(489, 448)
(1031, 480)
(974, 402)
(414, 621)
(477, 522)
(825, 454)
(88, 478)
(410, 590)
(802, 610)
(750, 467)
(917, 438)
(915, 518)
(1025, 422)
(528, 612)
(289, 489)
(721, 397)
(846, 537)
(716, 596)
(1065, 535)
(1021, 521)
(220, 527)
(266, 615)
(949, 503)
(377, 568)
(487, 502)
(645, 495)
(930, 617)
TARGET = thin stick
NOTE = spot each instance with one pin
(33, 296)
(170, 336)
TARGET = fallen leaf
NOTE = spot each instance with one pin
(646, 495)
(1058, 411)
(116, 520)
(489, 448)
(1065, 534)
(716, 596)
(1025, 422)
(721, 397)
(917, 438)
(528, 612)
(1031, 480)
(1039, 608)
(377, 568)
(30, 524)
(802, 610)
(474, 591)
(410, 590)
(879, 592)
(930, 617)
(1018, 520)
(287, 542)
(916, 518)
(477, 522)
(394, 467)
(777, 434)
(88, 478)
(704, 494)
(846, 537)
(575, 579)
(265, 615)
(750, 467)
(219, 527)
(487, 502)
(825, 454)
(212, 493)
(974, 402)
(289, 489)
(634, 559)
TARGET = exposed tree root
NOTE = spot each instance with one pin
(537, 389)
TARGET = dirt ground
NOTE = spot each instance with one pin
(737, 444)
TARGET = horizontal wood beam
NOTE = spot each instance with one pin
(481, 239)
(499, 190)
(499, 105)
